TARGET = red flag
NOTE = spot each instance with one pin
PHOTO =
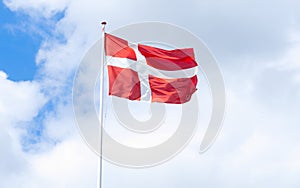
(146, 73)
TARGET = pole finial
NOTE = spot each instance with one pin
(103, 23)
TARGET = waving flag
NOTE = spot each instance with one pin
(146, 73)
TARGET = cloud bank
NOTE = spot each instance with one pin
(257, 45)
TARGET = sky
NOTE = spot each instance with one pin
(256, 44)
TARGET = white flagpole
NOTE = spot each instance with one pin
(100, 162)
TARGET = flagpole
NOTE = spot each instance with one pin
(100, 162)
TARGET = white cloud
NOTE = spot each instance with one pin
(42, 7)
(291, 59)
(19, 102)
(59, 167)
(3, 75)
(69, 164)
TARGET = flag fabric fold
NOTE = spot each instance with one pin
(147, 73)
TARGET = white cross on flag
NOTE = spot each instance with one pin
(146, 73)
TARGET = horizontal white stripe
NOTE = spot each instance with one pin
(143, 68)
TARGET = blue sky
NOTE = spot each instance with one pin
(20, 42)
(257, 46)
(18, 48)
(21, 38)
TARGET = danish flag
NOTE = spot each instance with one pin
(147, 73)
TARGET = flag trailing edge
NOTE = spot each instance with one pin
(146, 73)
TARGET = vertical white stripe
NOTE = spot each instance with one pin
(143, 76)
